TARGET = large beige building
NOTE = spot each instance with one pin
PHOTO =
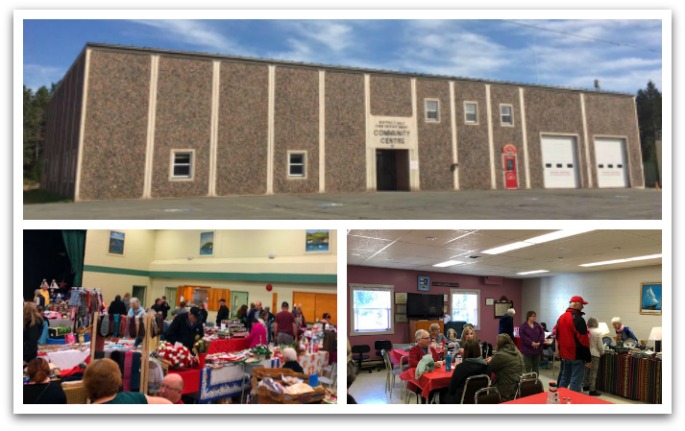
(138, 123)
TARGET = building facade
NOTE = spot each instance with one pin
(138, 123)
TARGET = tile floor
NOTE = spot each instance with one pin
(369, 388)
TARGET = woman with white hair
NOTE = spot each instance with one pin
(623, 332)
(136, 310)
(290, 356)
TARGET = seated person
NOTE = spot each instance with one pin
(290, 357)
(436, 336)
(422, 348)
(472, 365)
(351, 376)
(468, 333)
(102, 380)
(172, 388)
(40, 390)
(507, 365)
(623, 332)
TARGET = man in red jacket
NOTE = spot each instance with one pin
(573, 341)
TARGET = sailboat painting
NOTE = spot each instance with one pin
(650, 298)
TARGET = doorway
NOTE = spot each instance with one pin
(170, 293)
(392, 170)
(139, 292)
(237, 300)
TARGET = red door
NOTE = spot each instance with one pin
(509, 162)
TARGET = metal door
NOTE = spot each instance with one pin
(559, 162)
(610, 158)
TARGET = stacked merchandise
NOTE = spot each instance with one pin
(631, 377)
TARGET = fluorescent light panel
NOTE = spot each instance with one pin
(538, 271)
(448, 263)
(628, 259)
(552, 236)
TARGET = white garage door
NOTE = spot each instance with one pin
(559, 162)
(610, 155)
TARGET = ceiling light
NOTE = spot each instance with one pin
(448, 263)
(628, 259)
(431, 238)
(552, 236)
(538, 271)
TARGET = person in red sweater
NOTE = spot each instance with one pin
(573, 341)
(422, 347)
(172, 388)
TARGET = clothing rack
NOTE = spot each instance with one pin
(148, 345)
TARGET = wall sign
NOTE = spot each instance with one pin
(392, 131)
(444, 284)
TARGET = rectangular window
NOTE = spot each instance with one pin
(371, 309)
(297, 164)
(471, 112)
(182, 164)
(506, 115)
(432, 110)
(465, 306)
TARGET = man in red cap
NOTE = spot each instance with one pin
(573, 341)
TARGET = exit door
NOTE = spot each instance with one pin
(392, 170)
(139, 292)
(237, 300)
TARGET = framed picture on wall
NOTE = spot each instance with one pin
(207, 243)
(116, 242)
(317, 241)
(424, 283)
(650, 298)
(501, 307)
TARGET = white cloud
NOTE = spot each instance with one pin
(197, 33)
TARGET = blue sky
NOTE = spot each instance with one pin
(622, 54)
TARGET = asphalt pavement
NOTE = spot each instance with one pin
(573, 204)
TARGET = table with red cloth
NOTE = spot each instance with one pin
(431, 381)
(576, 398)
(227, 345)
(191, 379)
(397, 354)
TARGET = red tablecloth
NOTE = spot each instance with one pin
(428, 382)
(228, 345)
(576, 398)
(396, 355)
(191, 379)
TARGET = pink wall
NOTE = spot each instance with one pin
(406, 281)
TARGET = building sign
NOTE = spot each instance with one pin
(444, 284)
(391, 131)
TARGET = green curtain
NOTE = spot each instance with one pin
(75, 243)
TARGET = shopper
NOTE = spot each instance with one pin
(284, 326)
(507, 366)
(223, 312)
(532, 336)
(117, 306)
(573, 342)
(623, 332)
(181, 309)
(102, 380)
(127, 301)
(185, 328)
(506, 323)
(33, 329)
(40, 390)
(290, 356)
(172, 388)
(258, 332)
(136, 310)
(596, 351)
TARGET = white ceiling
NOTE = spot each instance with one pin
(421, 249)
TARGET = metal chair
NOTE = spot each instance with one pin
(358, 354)
(472, 385)
(529, 386)
(397, 370)
(381, 345)
(489, 395)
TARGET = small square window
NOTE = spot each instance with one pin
(182, 164)
(506, 115)
(432, 110)
(297, 164)
(471, 112)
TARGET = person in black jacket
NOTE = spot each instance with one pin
(33, 329)
(473, 365)
(506, 323)
(184, 328)
(117, 306)
(223, 312)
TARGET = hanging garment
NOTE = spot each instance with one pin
(128, 363)
(132, 327)
(141, 327)
(117, 322)
(104, 325)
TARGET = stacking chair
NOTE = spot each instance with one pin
(472, 385)
(381, 345)
(359, 354)
(396, 370)
(489, 395)
(529, 384)
(75, 392)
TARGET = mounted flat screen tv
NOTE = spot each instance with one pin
(424, 306)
